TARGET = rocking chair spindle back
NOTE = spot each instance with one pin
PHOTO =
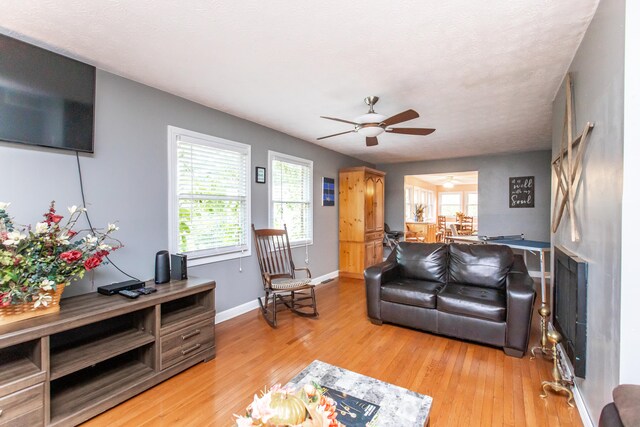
(279, 276)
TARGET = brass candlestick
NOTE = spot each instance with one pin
(559, 383)
(544, 350)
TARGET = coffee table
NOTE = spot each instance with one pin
(398, 406)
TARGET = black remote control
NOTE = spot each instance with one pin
(146, 291)
(129, 294)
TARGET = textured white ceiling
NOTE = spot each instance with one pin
(461, 178)
(483, 73)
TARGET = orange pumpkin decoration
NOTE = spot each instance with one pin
(289, 409)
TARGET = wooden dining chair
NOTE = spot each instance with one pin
(442, 231)
(279, 279)
(466, 225)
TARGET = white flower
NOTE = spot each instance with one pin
(243, 421)
(4, 205)
(112, 227)
(41, 228)
(91, 240)
(104, 247)
(47, 285)
(72, 209)
(43, 299)
(63, 239)
(13, 238)
(261, 408)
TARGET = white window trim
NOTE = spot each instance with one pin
(293, 159)
(173, 133)
(466, 201)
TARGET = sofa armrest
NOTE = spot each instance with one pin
(521, 296)
(518, 265)
(374, 277)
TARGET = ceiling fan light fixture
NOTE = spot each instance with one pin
(448, 183)
(370, 118)
(370, 131)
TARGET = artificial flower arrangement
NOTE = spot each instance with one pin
(34, 261)
(419, 212)
(280, 406)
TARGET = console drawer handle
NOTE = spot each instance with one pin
(190, 349)
(190, 334)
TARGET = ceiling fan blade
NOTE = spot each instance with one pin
(371, 141)
(411, 131)
(338, 120)
(402, 117)
(335, 134)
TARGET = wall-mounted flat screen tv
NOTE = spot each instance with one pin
(46, 99)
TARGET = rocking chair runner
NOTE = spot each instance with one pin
(278, 277)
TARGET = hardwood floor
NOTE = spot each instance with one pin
(470, 384)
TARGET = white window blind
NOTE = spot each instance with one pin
(291, 194)
(211, 196)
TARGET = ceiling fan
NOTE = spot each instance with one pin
(373, 124)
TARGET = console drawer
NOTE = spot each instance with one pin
(186, 342)
(23, 408)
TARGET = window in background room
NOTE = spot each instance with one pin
(471, 203)
(291, 196)
(408, 203)
(431, 206)
(450, 203)
(210, 197)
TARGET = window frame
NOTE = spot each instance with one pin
(173, 134)
(440, 204)
(408, 202)
(275, 155)
(431, 205)
(466, 203)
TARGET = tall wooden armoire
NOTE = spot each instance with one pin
(361, 203)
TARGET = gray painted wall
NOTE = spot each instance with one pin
(598, 77)
(494, 215)
(126, 180)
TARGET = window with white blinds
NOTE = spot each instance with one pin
(210, 196)
(291, 196)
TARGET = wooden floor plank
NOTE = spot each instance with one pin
(471, 384)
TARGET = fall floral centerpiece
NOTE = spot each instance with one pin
(279, 406)
(36, 262)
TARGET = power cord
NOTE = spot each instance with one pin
(86, 212)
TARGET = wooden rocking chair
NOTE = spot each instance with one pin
(278, 277)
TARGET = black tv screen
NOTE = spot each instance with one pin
(46, 99)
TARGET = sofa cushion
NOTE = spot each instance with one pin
(422, 261)
(418, 293)
(473, 301)
(483, 265)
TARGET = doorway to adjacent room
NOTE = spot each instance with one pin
(440, 205)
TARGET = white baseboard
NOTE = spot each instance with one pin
(252, 305)
(582, 408)
(318, 280)
(236, 311)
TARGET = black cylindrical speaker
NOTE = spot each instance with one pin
(162, 267)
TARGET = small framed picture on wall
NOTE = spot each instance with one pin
(328, 191)
(261, 175)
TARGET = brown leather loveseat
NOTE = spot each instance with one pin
(480, 293)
